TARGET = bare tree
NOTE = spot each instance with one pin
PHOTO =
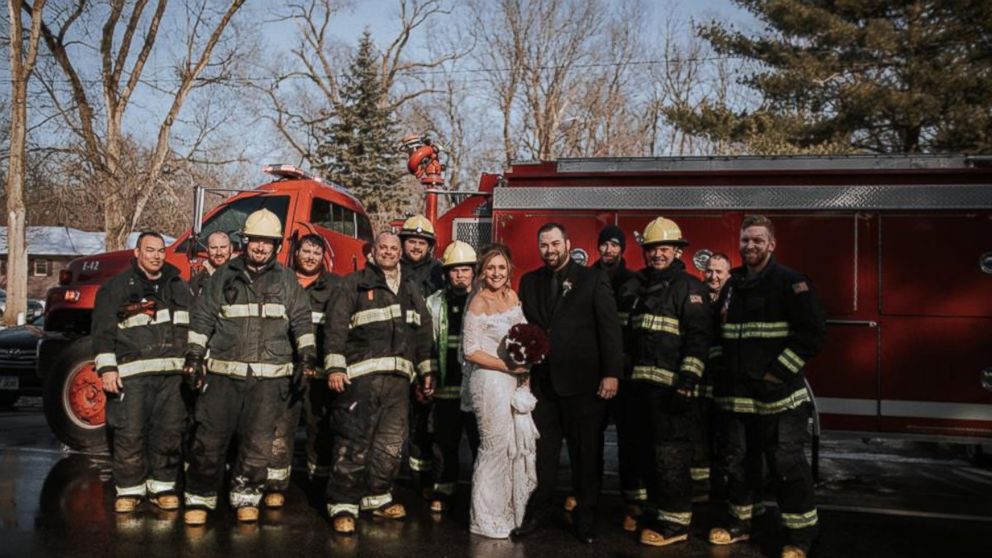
(22, 62)
(503, 29)
(126, 26)
(604, 118)
(302, 98)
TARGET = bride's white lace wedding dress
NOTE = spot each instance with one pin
(505, 473)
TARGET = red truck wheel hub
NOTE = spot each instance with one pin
(84, 398)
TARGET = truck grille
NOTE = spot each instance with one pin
(476, 232)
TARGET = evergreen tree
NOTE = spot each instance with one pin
(359, 148)
(885, 76)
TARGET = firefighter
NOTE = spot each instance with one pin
(218, 252)
(716, 274)
(667, 338)
(140, 321)
(418, 264)
(771, 324)
(448, 421)
(319, 284)
(611, 246)
(370, 364)
(248, 316)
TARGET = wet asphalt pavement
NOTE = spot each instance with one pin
(876, 499)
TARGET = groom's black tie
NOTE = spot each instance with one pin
(554, 292)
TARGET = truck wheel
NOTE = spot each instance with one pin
(74, 400)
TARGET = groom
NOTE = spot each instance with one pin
(576, 307)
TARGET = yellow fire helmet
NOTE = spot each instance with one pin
(458, 253)
(418, 226)
(263, 224)
(662, 231)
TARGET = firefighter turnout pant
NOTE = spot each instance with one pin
(146, 424)
(702, 447)
(283, 438)
(229, 407)
(781, 440)
(448, 422)
(317, 409)
(668, 425)
(624, 415)
(370, 427)
(421, 443)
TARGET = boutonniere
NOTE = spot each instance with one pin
(566, 286)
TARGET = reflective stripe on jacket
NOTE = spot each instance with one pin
(668, 333)
(386, 333)
(771, 323)
(144, 343)
(252, 326)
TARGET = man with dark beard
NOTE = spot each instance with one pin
(418, 264)
(576, 307)
(612, 243)
(313, 394)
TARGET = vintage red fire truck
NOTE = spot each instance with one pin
(899, 248)
(72, 393)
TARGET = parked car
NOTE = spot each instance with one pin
(18, 359)
(35, 306)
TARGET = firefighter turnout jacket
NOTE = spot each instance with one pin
(245, 319)
(447, 309)
(770, 323)
(199, 281)
(319, 293)
(386, 333)
(140, 324)
(427, 274)
(668, 326)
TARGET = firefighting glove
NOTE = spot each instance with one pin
(684, 395)
(194, 372)
(307, 368)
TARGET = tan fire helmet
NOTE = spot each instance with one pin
(418, 226)
(263, 224)
(662, 231)
(458, 253)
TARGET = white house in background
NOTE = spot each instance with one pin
(49, 251)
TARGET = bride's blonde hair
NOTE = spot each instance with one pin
(488, 253)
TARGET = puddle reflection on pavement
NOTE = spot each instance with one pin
(57, 505)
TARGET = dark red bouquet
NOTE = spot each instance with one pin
(527, 344)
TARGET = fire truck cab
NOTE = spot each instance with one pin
(899, 249)
(73, 396)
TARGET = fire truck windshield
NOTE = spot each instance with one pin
(231, 219)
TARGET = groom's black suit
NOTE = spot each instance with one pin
(584, 330)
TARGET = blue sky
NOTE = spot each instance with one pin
(381, 16)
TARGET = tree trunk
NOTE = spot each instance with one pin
(21, 66)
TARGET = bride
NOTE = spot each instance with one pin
(500, 397)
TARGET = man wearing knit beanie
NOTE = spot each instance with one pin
(612, 242)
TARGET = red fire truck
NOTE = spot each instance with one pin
(73, 396)
(900, 249)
